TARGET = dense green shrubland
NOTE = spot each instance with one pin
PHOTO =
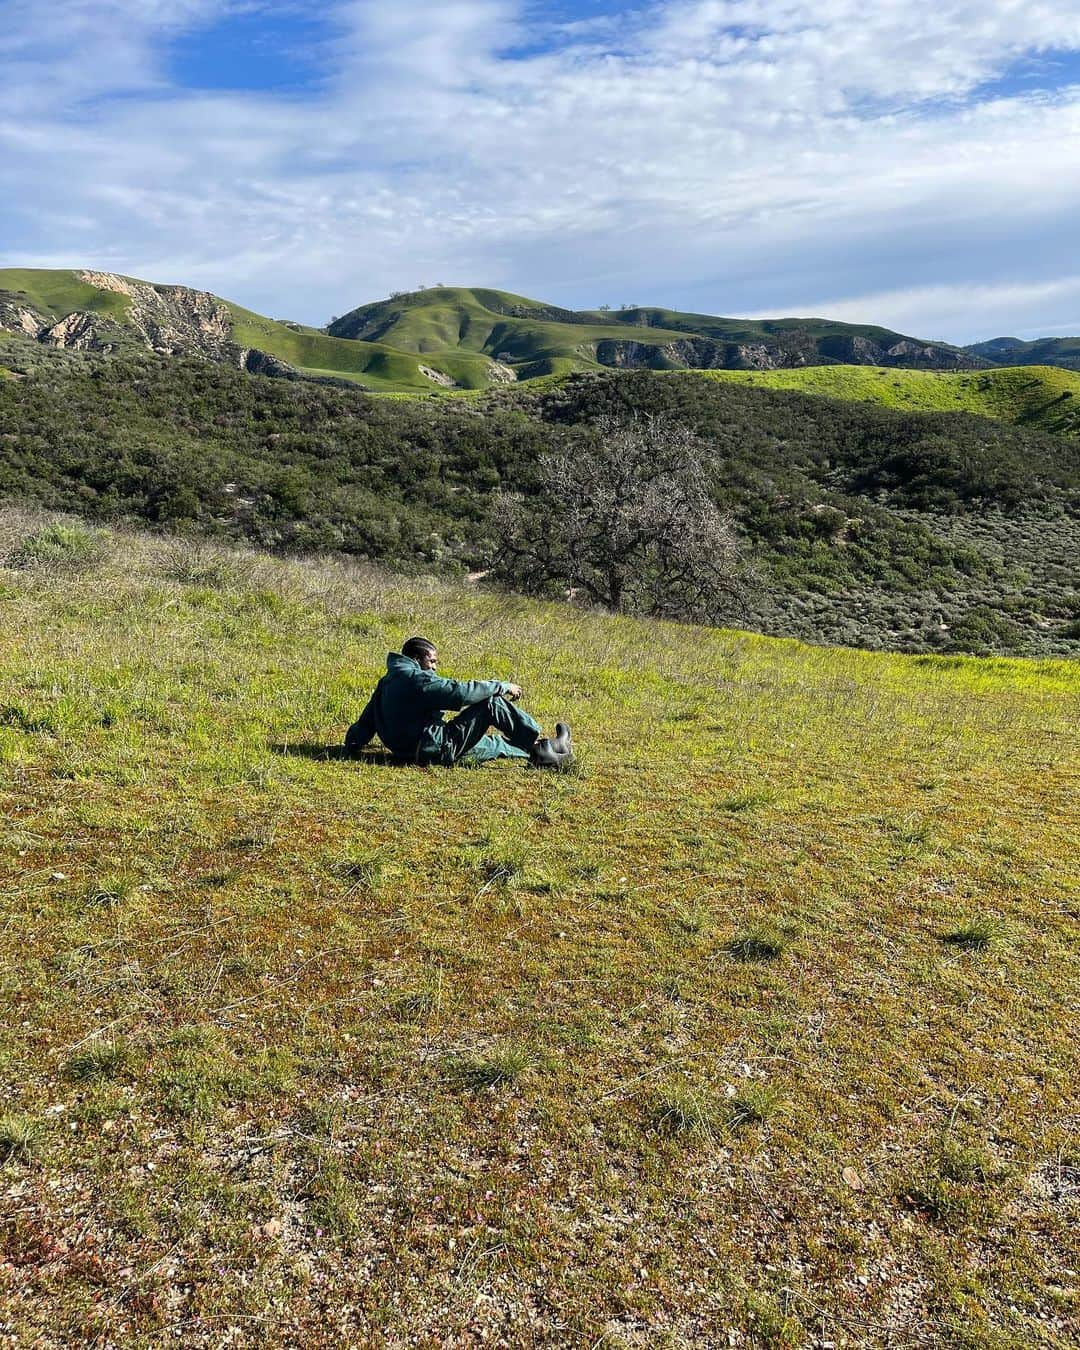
(861, 525)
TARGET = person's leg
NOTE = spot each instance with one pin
(492, 747)
(467, 730)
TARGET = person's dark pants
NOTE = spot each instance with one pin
(466, 734)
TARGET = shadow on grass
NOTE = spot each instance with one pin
(312, 750)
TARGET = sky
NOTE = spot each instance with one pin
(916, 166)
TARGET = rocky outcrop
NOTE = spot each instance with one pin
(172, 320)
(787, 351)
(690, 353)
(438, 377)
(169, 320)
(256, 362)
(499, 373)
(82, 332)
(19, 318)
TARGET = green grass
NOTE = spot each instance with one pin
(744, 330)
(1042, 397)
(459, 331)
(338, 1051)
(58, 293)
(1051, 351)
(375, 365)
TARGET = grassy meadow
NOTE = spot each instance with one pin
(756, 1030)
(1042, 397)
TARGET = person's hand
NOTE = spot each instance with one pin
(513, 692)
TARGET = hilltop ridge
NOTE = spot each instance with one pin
(535, 338)
(440, 338)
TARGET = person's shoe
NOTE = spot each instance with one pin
(560, 742)
(544, 755)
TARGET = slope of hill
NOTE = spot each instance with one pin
(1058, 351)
(467, 338)
(99, 311)
(538, 339)
(1043, 397)
(755, 1032)
(798, 342)
(860, 525)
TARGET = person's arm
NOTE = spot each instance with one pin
(362, 729)
(451, 695)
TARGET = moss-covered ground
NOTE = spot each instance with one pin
(758, 1030)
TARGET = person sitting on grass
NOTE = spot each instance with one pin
(406, 712)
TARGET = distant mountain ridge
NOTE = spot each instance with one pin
(535, 339)
(1049, 351)
(438, 338)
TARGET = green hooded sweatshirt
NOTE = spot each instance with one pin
(406, 709)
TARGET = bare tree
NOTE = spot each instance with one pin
(627, 519)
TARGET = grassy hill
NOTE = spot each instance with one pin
(377, 365)
(539, 339)
(55, 294)
(748, 330)
(468, 338)
(533, 338)
(1031, 396)
(1062, 351)
(58, 293)
(755, 1032)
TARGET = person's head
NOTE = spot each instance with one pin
(422, 652)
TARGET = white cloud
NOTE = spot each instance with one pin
(723, 156)
(937, 310)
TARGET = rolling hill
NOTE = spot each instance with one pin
(437, 339)
(538, 339)
(1043, 397)
(858, 524)
(99, 311)
(1051, 351)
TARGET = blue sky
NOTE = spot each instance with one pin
(913, 166)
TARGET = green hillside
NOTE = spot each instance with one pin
(743, 330)
(503, 326)
(756, 1031)
(541, 339)
(377, 364)
(1033, 396)
(55, 294)
(1060, 351)
(857, 524)
(471, 338)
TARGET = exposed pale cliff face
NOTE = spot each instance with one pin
(438, 377)
(169, 320)
(172, 320)
(790, 350)
(80, 332)
(16, 318)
